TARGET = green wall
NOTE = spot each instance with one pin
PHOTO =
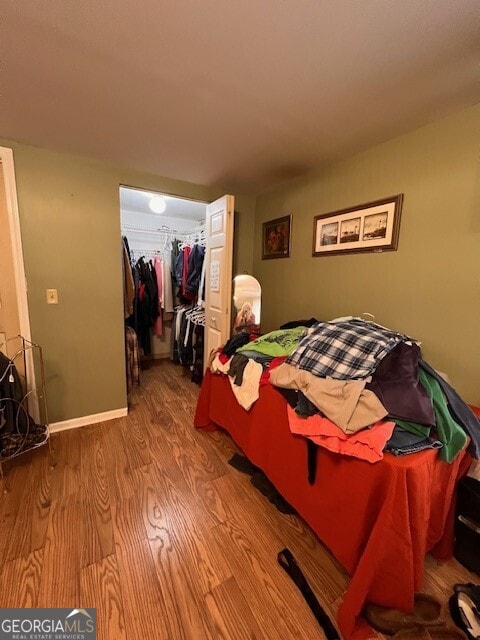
(428, 288)
(70, 222)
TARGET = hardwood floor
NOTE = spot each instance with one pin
(143, 519)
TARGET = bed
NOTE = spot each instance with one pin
(379, 520)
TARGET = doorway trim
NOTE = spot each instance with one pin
(6, 158)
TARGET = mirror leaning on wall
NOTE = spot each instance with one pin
(247, 304)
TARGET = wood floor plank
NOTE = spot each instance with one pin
(67, 455)
(274, 601)
(200, 463)
(223, 443)
(185, 441)
(20, 581)
(44, 498)
(174, 382)
(172, 407)
(97, 540)
(161, 549)
(231, 614)
(192, 542)
(144, 606)
(122, 479)
(100, 588)
(166, 464)
(134, 441)
(31, 521)
(184, 613)
(14, 501)
(60, 586)
(196, 468)
(157, 422)
(220, 509)
(175, 567)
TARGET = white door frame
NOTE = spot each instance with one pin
(6, 158)
(8, 167)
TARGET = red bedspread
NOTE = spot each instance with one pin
(378, 520)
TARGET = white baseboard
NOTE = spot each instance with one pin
(84, 421)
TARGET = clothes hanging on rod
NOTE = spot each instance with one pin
(145, 310)
(159, 272)
(187, 273)
(194, 271)
(128, 283)
(188, 339)
(190, 317)
(177, 259)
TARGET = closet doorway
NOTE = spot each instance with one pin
(163, 233)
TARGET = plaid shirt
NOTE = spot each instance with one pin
(345, 350)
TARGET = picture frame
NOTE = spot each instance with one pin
(370, 227)
(276, 238)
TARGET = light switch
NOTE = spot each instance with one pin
(52, 296)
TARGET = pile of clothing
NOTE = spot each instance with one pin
(356, 388)
(248, 360)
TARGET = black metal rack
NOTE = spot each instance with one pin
(23, 402)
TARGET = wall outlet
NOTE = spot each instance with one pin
(52, 296)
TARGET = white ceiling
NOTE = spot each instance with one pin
(227, 93)
(137, 201)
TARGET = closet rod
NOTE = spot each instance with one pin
(165, 231)
(147, 253)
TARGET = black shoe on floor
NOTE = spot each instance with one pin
(465, 609)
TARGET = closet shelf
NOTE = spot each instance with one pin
(165, 231)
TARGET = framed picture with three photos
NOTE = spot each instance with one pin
(373, 227)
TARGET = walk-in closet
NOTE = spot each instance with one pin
(163, 249)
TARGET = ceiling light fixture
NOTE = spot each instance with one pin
(157, 204)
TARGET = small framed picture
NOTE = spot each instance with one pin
(276, 238)
(373, 226)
